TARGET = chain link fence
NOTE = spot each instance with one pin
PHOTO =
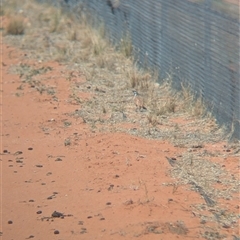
(196, 41)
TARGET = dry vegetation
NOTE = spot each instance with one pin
(48, 33)
(15, 26)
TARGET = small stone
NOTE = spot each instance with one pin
(56, 232)
(110, 187)
(84, 230)
(128, 202)
(108, 203)
(39, 212)
(5, 151)
(30, 148)
(67, 142)
(10, 222)
(56, 214)
(39, 165)
(31, 236)
(18, 153)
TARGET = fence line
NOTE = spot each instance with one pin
(197, 41)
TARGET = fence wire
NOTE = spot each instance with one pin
(197, 41)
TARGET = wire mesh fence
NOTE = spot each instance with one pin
(196, 41)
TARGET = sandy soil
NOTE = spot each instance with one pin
(102, 185)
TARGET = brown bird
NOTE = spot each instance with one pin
(138, 101)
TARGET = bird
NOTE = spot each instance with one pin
(138, 101)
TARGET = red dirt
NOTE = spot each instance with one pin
(109, 185)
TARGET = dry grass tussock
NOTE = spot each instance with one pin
(126, 46)
(16, 26)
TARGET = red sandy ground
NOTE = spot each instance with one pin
(109, 185)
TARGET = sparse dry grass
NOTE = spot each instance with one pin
(73, 34)
(202, 175)
(153, 119)
(126, 46)
(56, 18)
(140, 79)
(195, 106)
(15, 26)
(8, 7)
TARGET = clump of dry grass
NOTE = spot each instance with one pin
(15, 26)
(52, 18)
(134, 77)
(195, 106)
(73, 34)
(55, 21)
(62, 52)
(126, 46)
(162, 99)
(139, 79)
(152, 119)
(167, 106)
(8, 7)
